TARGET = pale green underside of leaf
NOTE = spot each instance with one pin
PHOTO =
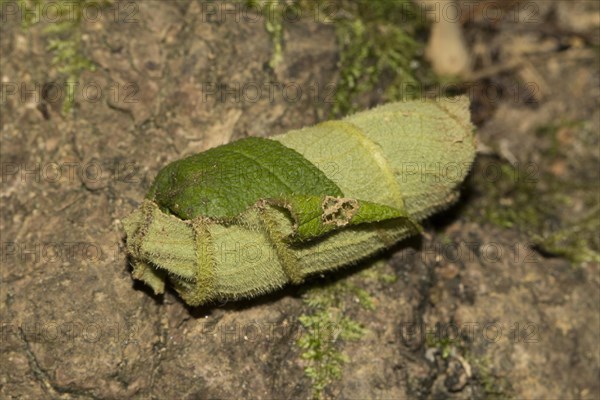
(426, 146)
(246, 258)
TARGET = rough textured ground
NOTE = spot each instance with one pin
(488, 303)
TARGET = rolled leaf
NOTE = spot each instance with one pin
(249, 217)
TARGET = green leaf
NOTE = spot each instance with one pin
(224, 181)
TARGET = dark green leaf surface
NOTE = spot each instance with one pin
(224, 181)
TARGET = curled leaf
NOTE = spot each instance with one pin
(251, 216)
